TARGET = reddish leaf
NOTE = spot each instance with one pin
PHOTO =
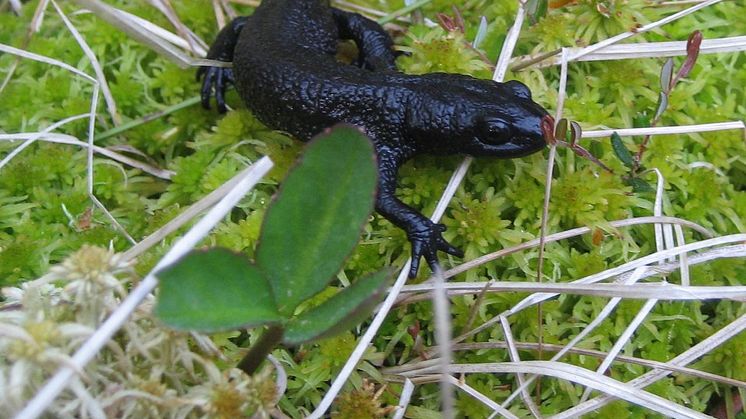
(445, 21)
(582, 152)
(452, 24)
(576, 132)
(692, 52)
(459, 19)
(547, 128)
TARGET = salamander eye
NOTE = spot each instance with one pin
(519, 89)
(495, 129)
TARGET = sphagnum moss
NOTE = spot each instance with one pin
(42, 176)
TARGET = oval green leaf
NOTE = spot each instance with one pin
(621, 150)
(339, 313)
(317, 216)
(214, 290)
(667, 75)
(662, 105)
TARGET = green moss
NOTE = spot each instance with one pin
(19, 259)
(729, 359)
(45, 212)
(438, 50)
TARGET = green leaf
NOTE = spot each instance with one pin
(667, 75)
(214, 290)
(317, 216)
(621, 150)
(339, 313)
(662, 105)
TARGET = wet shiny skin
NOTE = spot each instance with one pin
(285, 70)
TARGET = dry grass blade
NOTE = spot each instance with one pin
(650, 377)
(47, 60)
(219, 13)
(443, 328)
(605, 313)
(100, 76)
(497, 409)
(163, 33)
(406, 395)
(33, 137)
(594, 278)
(136, 31)
(503, 61)
(15, 5)
(415, 369)
(578, 375)
(229, 10)
(659, 290)
(629, 266)
(679, 129)
(68, 139)
(196, 44)
(514, 357)
(587, 378)
(653, 50)
(623, 340)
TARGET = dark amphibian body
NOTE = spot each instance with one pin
(285, 70)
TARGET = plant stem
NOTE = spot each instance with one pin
(147, 118)
(404, 10)
(261, 349)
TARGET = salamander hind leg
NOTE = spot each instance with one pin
(375, 45)
(218, 78)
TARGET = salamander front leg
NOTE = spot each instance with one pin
(218, 78)
(424, 235)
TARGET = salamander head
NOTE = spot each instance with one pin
(510, 126)
(461, 114)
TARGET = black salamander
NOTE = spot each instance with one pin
(285, 70)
